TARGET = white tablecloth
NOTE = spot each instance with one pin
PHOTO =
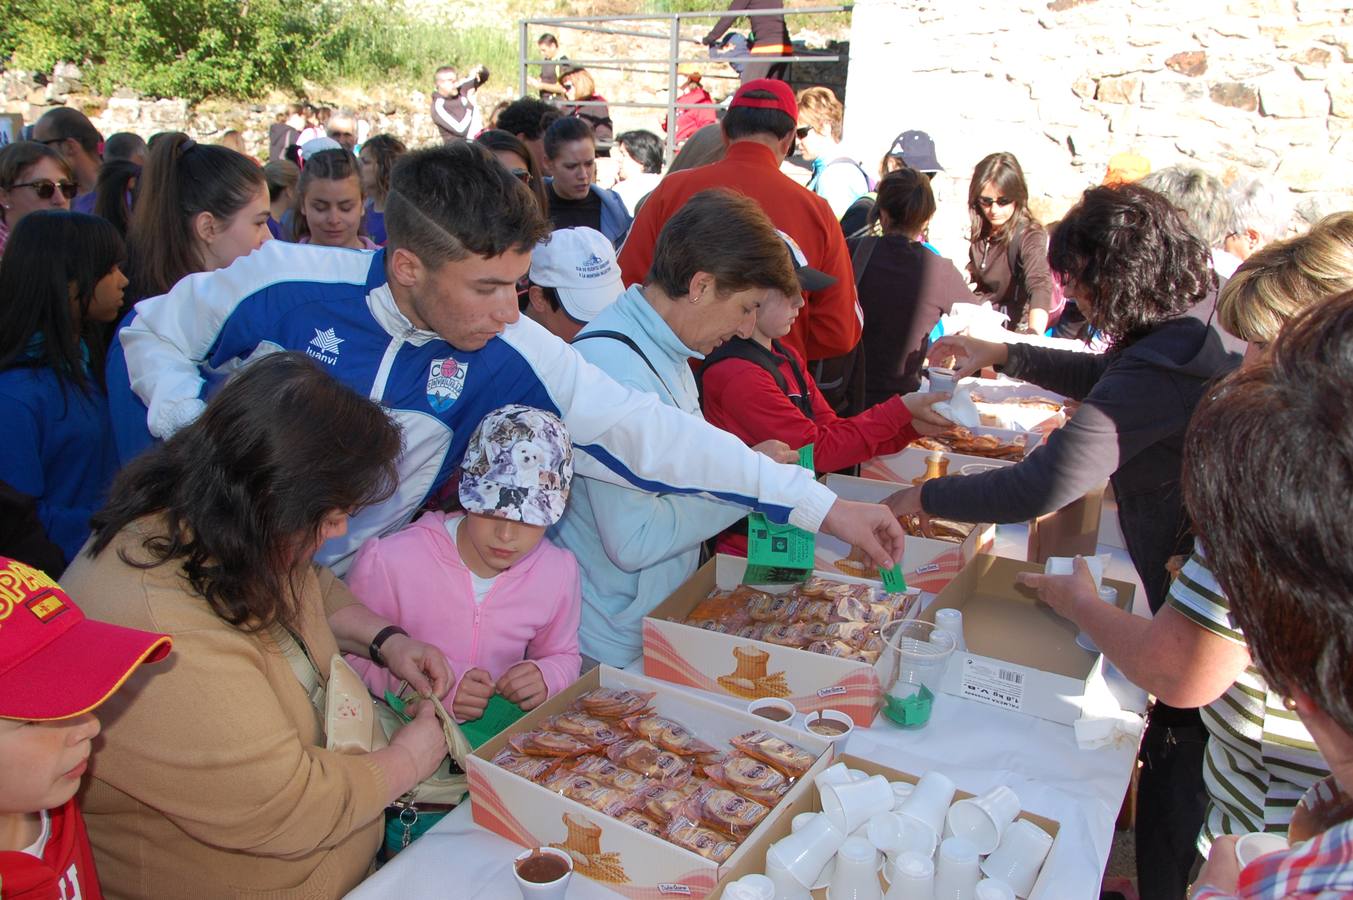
(977, 745)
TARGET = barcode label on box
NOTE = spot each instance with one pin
(683, 890)
(831, 691)
(992, 684)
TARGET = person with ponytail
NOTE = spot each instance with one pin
(60, 276)
(115, 192)
(376, 161)
(328, 210)
(199, 207)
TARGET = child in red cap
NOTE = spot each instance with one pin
(55, 668)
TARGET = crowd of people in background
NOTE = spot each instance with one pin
(466, 415)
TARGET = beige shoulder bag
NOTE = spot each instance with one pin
(355, 722)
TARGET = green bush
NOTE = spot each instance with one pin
(238, 48)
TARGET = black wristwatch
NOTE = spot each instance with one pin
(374, 651)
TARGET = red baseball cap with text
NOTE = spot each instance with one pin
(783, 98)
(55, 663)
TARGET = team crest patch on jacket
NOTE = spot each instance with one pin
(446, 379)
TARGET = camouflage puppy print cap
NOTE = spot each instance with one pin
(518, 466)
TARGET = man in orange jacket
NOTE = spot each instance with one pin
(759, 131)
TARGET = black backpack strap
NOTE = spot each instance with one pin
(752, 352)
(859, 260)
(628, 342)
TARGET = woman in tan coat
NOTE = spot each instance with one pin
(213, 781)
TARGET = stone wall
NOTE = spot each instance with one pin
(1236, 87)
(31, 94)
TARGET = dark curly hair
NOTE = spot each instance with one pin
(245, 489)
(1136, 257)
(1268, 480)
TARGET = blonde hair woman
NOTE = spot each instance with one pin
(1284, 277)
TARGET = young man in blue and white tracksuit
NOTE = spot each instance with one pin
(429, 327)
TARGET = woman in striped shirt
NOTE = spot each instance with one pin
(1268, 480)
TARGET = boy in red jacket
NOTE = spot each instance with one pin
(760, 389)
(56, 667)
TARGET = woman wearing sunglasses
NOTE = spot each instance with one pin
(33, 176)
(1008, 256)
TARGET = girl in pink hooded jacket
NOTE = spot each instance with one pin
(485, 586)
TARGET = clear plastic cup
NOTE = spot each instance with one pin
(914, 657)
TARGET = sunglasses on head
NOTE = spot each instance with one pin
(45, 188)
(989, 202)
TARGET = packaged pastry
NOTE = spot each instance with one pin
(856, 634)
(698, 839)
(661, 802)
(590, 793)
(750, 778)
(842, 650)
(532, 768)
(726, 606)
(719, 808)
(789, 759)
(773, 608)
(716, 625)
(607, 772)
(814, 611)
(669, 735)
(651, 761)
(550, 743)
(786, 634)
(819, 588)
(613, 703)
(588, 728)
(636, 819)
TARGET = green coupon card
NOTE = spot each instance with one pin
(806, 457)
(893, 580)
(498, 715)
(779, 554)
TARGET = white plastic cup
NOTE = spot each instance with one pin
(857, 774)
(956, 872)
(805, 852)
(915, 655)
(535, 890)
(836, 773)
(1256, 844)
(851, 805)
(896, 835)
(910, 877)
(1019, 857)
(983, 819)
(951, 620)
(993, 889)
(783, 706)
(750, 887)
(942, 381)
(838, 741)
(929, 803)
(856, 878)
(787, 887)
(825, 875)
(901, 791)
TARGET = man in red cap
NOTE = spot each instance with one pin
(759, 132)
(56, 667)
